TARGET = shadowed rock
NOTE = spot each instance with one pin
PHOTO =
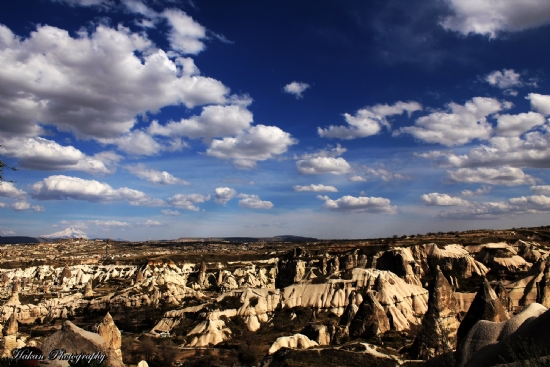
(11, 326)
(486, 306)
(370, 320)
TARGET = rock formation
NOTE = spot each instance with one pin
(370, 319)
(297, 341)
(439, 326)
(486, 306)
(108, 331)
(75, 340)
(488, 343)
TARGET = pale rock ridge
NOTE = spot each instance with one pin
(296, 341)
(401, 262)
(211, 331)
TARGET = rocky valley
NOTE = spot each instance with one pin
(475, 298)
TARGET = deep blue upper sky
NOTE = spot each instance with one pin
(163, 119)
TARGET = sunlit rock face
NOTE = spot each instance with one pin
(297, 341)
(76, 341)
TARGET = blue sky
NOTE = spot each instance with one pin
(142, 119)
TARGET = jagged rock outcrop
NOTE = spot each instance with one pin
(75, 340)
(489, 343)
(296, 341)
(108, 331)
(439, 326)
(370, 319)
(88, 291)
(401, 262)
(11, 327)
(502, 259)
(486, 306)
(290, 272)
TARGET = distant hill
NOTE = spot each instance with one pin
(283, 238)
(20, 239)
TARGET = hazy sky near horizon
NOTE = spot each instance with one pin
(157, 119)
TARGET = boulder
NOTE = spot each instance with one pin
(318, 333)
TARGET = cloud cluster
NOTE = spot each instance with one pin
(459, 125)
(324, 161)
(92, 85)
(258, 143)
(188, 201)
(368, 121)
(489, 18)
(296, 88)
(253, 202)
(493, 210)
(154, 176)
(21, 206)
(8, 190)
(315, 188)
(173, 213)
(47, 155)
(436, 199)
(349, 203)
(507, 176)
(62, 187)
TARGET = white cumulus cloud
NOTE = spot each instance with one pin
(507, 176)
(504, 79)
(188, 201)
(540, 102)
(214, 121)
(516, 125)
(323, 161)
(47, 155)
(296, 88)
(92, 84)
(436, 199)
(368, 121)
(349, 203)
(315, 188)
(258, 143)
(253, 202)
(62, 187)
(224, 194)
(483, 190)
(488, 17)
(540, 189)
(154, 176)
(8, 190)
(459, 125)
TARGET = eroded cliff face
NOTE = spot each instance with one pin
(306, 297)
